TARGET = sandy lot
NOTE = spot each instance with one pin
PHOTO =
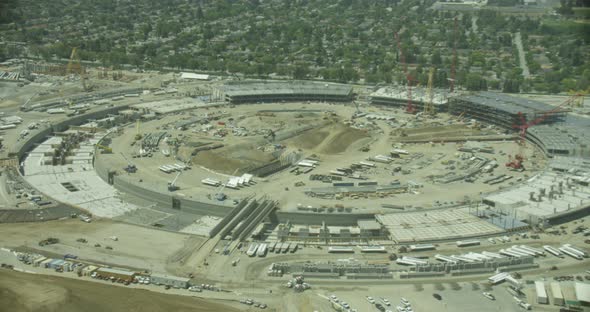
(27, 292)
(136, 247)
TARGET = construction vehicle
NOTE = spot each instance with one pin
(49, 241)
(105, 149)
(270, 135)
(219, 195)
(515, 163)
(357, 112)
(172, 185)
(130, 168)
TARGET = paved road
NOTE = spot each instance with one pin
(525, 69)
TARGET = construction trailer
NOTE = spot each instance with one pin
(542, 297)
(340, 249)
(557, 294)
(121, 274)
(582, 291)
(421, 247)
(373, 249)
(169, 280)
(467, 243)
(252, 249)
(88, 270)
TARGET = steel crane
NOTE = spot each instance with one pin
(429, 105)
(410, 108)
(454, 64)
(524, 126)
(172, 185)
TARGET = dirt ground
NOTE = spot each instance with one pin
(227, 160)
(28, 292)
(332, 139)
(329, 140)
(136, 246)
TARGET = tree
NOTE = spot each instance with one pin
(436, 58)
(566, 7)
(301, 71)
(511, 86)
(200, 12)
(475, 82)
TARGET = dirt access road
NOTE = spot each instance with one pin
(28, 292)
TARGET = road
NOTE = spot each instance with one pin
(521, 56)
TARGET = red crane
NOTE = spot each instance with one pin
(410, 108)
(454, 63)
(524, 125)
(559, 108)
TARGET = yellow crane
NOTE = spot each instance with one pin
(138, 135)
(578, 97)
(75, 67)
(429, 105)
(105, 149)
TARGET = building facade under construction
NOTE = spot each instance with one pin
(254, 92)
(504, 110)
(420, 97)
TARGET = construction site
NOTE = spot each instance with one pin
(189, 180)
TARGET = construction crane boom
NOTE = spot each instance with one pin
(525, 125)
(410, 108)
(454, 63)
(220, 195)
(75, 67)
(429, 105)
(172, 185)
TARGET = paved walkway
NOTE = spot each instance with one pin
(521, 56)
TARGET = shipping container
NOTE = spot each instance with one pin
(468, 243)
(340, 249)
(422, 247)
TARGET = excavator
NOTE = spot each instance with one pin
(172, 185)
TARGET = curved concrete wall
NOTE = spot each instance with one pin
(203, 208)
(194, 205)
(20, 149)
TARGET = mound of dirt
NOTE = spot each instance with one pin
(218, 162)
(331, 139)
(227, 160)
(27, 292)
